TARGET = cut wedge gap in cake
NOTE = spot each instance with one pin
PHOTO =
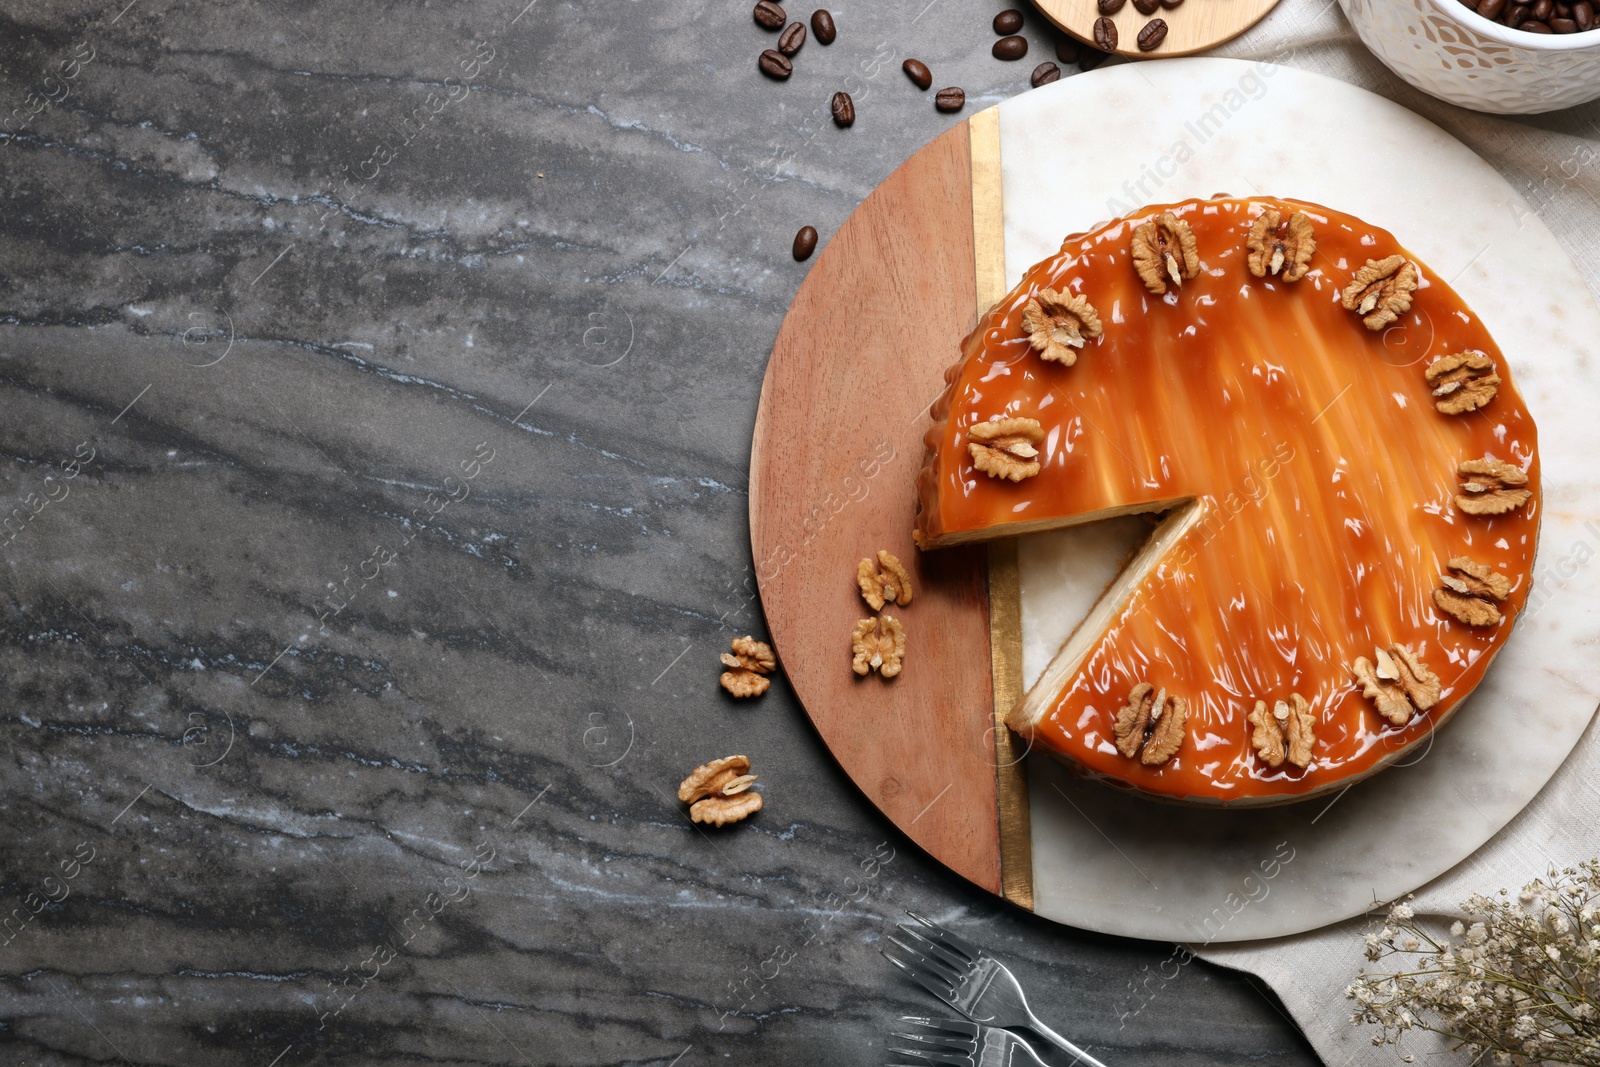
(1068, 661)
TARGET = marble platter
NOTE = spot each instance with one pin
(1117, 864)
(885, 305)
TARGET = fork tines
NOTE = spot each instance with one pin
(953, 942)
(942, 1041)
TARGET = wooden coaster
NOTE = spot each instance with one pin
(1193, 26)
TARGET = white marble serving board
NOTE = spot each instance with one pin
(1090, 148)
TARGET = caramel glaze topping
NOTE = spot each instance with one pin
(1326, 475)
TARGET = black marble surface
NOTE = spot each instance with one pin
(376, 389)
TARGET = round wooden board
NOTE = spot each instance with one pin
(1192, 27)
(838, 442)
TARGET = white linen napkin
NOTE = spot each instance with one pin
(1554, 160)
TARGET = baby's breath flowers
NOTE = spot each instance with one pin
(1520, 981)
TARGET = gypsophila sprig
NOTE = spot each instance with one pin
(1520, 981)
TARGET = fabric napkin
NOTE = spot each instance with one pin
(1554, 161)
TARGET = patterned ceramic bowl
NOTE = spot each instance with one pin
(1458, 55)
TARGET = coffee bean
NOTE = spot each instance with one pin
(1092, 58)
(918, 72)
(844, 109)
(1009, 48)
(1146, 7)
(1154, 32)
(792, 38)
(1044, 74)
(1105, 34)
(1491, 9)
(1583, 14)
(770, 15)
(1170, 4)
(1563, 25)
(775, 65)
(1543, 9)
(1109, 7)
(1517, 15)
(1008, 22)
(822, 26)
(951, 99)
(1067, 49)
(1535, 26)
(805, 243)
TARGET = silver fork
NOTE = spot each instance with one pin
(971, 981)
(962, 1044)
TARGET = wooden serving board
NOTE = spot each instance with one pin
(1193, 26)
(838, 443)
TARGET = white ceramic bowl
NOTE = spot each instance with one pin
(1458, 55)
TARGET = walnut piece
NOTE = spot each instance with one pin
(1165, 248)
(886, 583)
(879, 645)
(1276, 245)
(1288, 731)
(1463, 381)
(719, 792)
(1150, 710)
(1006, 448)
(720, 811)
(751, 659)
(1399, 684)
(1469, 594)
(1381, 291)
(709, 779)
(1491, 486)
(1057, 323)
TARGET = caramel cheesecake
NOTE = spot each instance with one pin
(1346, 479)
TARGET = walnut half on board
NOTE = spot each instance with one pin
(878, 645)
(887, 582)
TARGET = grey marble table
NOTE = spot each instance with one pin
(376, 389)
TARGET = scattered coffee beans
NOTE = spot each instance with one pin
(1008, 22)
(805, 243)
(1044, 74)
(1105, 34)
(822, 26)
(1067, 49)
(775, 65)
(792, 38)
(770, 15)
(918, 72)
(844, 109)
(1109, 7)
(1154, 32)
(1146, 7)
(1009, 48)
(951, 99)
(1537, 16)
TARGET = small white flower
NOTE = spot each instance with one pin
(1553, 952)
(1456, 929)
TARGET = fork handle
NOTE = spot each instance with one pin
(1061, 1043)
